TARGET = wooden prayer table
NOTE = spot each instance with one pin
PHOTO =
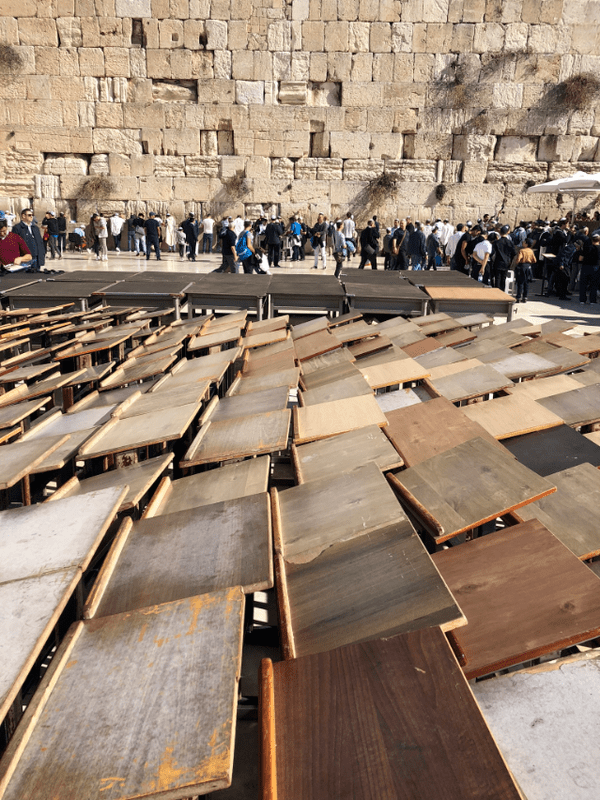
(554, 449)
(396, 710)
(492, 483)
(314, 292)
(226, 291)
(239, 437)
(327, 458)
(577, 407)
(206, 549)
(186, 655)
(470, 383)
(513, 415)
(401, 398)
(239, 479)
(465, 299)
(524, 594)
(218, 410)
(40, 295)
(544, 387)
(17, 462)
(393, 298)
(169, 292)
(336, 416)
(350, 386)
(257, 383)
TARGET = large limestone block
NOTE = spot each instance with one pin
(313, 36)
(581, 122)
(300, 9)
(47, 187)
(383, 66)
(69, 32)
(390, 10)
(462, 38)
(296, 144)
(405, 95)
(221, 9)
(406, 120)
(107, 140)
(293, 92)
(516, 173)
(68, 64)
(260, 167)
(68, 165)
(380, 38)
(435, 11)
(116, 62)
(91, 61)
(282, 169)
(279, 35)
(9, 30)
(159, 63)
(265, 144)
(250, 92)
(474, 171)
(155, 189)
(473, 147)
(488, 38)
(386, 146)
(368, 10)
(306, 169)
(142, 165)
(349, 145)
(402, 33)
(473, 10)
(137, 63)
(362, 94)
(109, 115)
(146, 115)
(380, 120)
(242, 65)
(181, 142)
(358, 37)
(171, 34)
(216, 34)
(300, 70)
(330, 169)
(169, 167)
(339, 66)
(99, 164)
(17, 164)
(507, 95)
(133, 9)
(38, 32)
(17, 187)
(516, 149)
(439, 36)
(312, 196)
(556, 148)
(282, 66)
(362, 68)
(586, 149)
(362, 169)
(427, 146)
(355, 119)
(202, 167)
(209, 143)
(348, 10)
(118, 165)
(412, 170)
(336, 36)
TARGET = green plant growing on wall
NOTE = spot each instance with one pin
(237, 186)
(573, 94)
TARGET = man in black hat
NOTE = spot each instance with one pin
(152, 236)
(190, 228)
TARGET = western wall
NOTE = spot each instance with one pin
(420, 107)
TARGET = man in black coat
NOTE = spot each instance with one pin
(152, 236)
(32, 236)
(190, 228)
(369, 245)
(273, 233)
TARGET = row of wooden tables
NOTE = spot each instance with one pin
(389, 599)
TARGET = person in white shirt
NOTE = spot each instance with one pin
(481, 257)
(427, 228)
(453, 241)
(116, 227)
(349, 231)
(170, 232)
(208, 226)
(238, 226)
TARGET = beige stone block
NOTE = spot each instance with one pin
(69, 32)
(329, 10)
(300, 9)
(542, 39)
(318, 67)
(47, 60)
(507, 95)
(68, 63)
(300, 70)
(268, 146)
(402, 33)
(336, 36)
(462, 38)
(380, 38)
(488, 38)
(250, 92)
(154, 189)
(107, 140)
(160, 9)
(9, 30)
(516, 149)
(473, 10)
(15, 89)
(59, 89)
(424, 65)
(349, 145)
(330, 169)
(355, 119)
(412, 10)
(348, 10)
(516, 172)
(473, 147)
(170, 33)
(406, 120)
(586, 148)
(306, 169)
(109, 115)
(174, 115)
(533, 94)
(383, 66)
(358, 37)
(436, 120)
(180, 9)
(137, 63)
(28, 8)
(99, 164)
(220, 9)
(362, 68)
(531, 11)
(158, 63)
(403, 68)
(182, 64)
(339, 66)
(362, 169)
(133, 9)
(110, 31)
(410, 170)
(141, 165)
(262, 67)
(216, 34)
(313, 34)
(409, 95)
(191, 189)
(428, 145)
(41, 32)
(362, 94)
(474, 172)
(151, 34)
(296, 144)
(585, 39)
(242, 66)
(259, 167)
(202, 65)
(119, 165)
(279, 35)
(91, 61)
(238, 35)
(209, 143)
(435, 11)
(169, 167)
(556, 148)
(116, 62)
(368, 10)
(386, 145)
(580, 123)
(419, 40)
(439, 36)
(140, 90)
(144, 115)
(193, 33)
(380, 120)
(282, 169)
(390, 10)
(152, 141)
(222, 65)
(200, 9)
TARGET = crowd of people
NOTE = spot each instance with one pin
(565, 253)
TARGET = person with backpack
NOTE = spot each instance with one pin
(339, 247)
(245, 249)
(296, 234)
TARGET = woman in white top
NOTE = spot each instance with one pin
(101, 230)
(170, 232)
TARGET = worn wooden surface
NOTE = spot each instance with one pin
(156, 401)
(328, 375)
(20, 458)
(63, 453)
(337, 416)
(455, 337)
(215, 338)
(470, 292)
(351, 386)
(134, 370)
(326, 360)
(12, 415)
(491, 484)
(571, 513)
(452, 367)
(136, 480)
(396, 710)
(30, 610)
(199, 550)
(239, 437)
(370, 587)
(471, 383)
(523, 365)
(47, 537)
(554, 449)
(319, 513)
(258, 383)
(419, 432)
(373, 345)
(545, 387)
(524, 594)
(576, 407)
(248, 404)
(307, 328)
(513, 415)
(27, 373)
(393, 372)
(120, 435)
(328, 457)
(420, 348)
(315, 345)
(216, 485)
(399, 398)
(43, 387)
(187, 660)
(544, 719)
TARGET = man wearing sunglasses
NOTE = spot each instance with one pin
(32, 236)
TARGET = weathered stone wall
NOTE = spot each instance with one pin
(305, 104)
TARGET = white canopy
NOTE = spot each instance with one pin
(579, 183)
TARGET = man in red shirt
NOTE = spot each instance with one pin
(13, 249)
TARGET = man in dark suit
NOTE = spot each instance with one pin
(32, 236)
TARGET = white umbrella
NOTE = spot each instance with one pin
(578, 184)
